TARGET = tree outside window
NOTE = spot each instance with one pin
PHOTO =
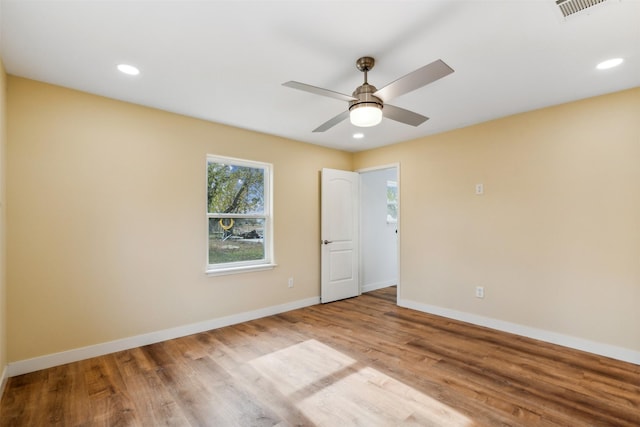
(239, 213)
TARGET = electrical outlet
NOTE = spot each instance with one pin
(290, 282)
(479, 189)
(479, 291)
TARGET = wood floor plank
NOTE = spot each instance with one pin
(21, 406)
(361, 361)
(110, 402)
(247, 376)
(152, 403)
(417, 368)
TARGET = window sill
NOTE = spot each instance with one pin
(238, 270)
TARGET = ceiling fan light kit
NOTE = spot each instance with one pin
(364, 116)
(366, 104)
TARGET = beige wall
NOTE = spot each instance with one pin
(3, 144)
(555, 239)
(107, 233)
(106, 228)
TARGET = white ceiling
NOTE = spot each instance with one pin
(225, 61)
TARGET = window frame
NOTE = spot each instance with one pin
(249, 265)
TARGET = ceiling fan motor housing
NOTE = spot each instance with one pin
(364, 95)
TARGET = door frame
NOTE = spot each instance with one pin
(399, 259)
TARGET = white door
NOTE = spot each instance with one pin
(339, 235)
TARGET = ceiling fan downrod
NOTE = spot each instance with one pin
(365, 64)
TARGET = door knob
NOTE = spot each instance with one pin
(326, 242)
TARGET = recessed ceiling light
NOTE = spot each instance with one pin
(609, 63)
(358, 135)
(128, 69)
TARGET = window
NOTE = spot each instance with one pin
(392, 202)
(238, 215)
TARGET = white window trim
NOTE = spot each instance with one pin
(244, 266)
(237, 270)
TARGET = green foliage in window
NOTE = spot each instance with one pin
(235, 189)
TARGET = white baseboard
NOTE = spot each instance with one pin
(379, 285)
(56, 359)
(607, 350)
(50, 360)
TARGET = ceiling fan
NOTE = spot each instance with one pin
(367, 104)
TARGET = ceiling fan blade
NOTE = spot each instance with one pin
(332, 122)
(414, 80)
(319, 91)
(403, 116)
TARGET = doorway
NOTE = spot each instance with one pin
(379, 228)
(359, 229)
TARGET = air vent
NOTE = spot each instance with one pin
(570, 7)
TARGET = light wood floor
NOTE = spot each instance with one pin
(361, 361)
